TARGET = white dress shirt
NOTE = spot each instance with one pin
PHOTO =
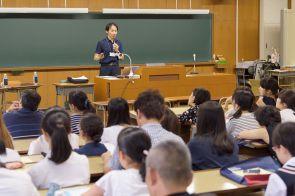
(287, 115)
(10, 156)
(110, 134)
(74, 171)
(276, 186)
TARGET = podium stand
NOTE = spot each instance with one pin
(169, 80)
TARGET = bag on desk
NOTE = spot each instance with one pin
(251, 171)
(78, 80)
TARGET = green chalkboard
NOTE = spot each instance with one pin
(61, 39)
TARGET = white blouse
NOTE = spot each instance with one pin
(287, 115)
(123, 182)
(110, 134)
(74, 171)
(10, 156)
(16, 183)
(40, 144)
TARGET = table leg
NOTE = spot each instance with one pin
(56, 96)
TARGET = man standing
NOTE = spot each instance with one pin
(109, 52)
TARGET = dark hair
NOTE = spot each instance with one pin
(80, 100)
(201, 95)
(151, 104)
(245, 99)
(92, 126)
(270, 83)
(2, 147)
(288, 97)
(30, 100)
(56, 123)
(109, 25)
(211, 123)
(284, 135)
(267, 115)
(170, 122)
(133, 141)
(118, 112)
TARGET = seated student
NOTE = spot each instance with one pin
(198, 96)
(149, 107)
(133, 145)
(268, 91)
(170, 121)
(118, 118)
(10, 158)
(4, 134)
(16, 183)
(286, 103)
(168, 169)
(283, 181)
(212, 146)
(243, 119)
(22, 118)
(79, 105)
(41, 146)
(61, 166)
(91, 131)
(268, 117)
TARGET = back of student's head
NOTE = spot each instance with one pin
(245, 100)
(170, 121)
(267, 115)
(4, 134)
(270, 84)
(201, 95)
(288, 97)
(172, 160)
(118, 112)
(30, 100)
(211, 124)
(151, 104)
(284, 135)
(56, 124)
(133, 142)
(80, 100)
(92, 127)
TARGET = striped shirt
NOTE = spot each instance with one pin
(23, 123)
(75, 123)
(246, 121)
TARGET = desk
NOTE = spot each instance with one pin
(64, 89)
(74, 189)
(18, 89)
(286, 78)
(22, 145)
(211, 181)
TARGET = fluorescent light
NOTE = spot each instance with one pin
(154, 11)
(44, 10)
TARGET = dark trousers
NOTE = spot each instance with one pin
(110, 70)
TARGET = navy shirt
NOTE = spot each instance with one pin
(269, 101)
(92, 149)
(205, 156)
(23, 123)
(106, 46)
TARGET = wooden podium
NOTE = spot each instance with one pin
(169, 80)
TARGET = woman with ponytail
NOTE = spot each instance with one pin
(243, 118)
(91, 131)
(61, 166)
(79, 105)
(133, 145)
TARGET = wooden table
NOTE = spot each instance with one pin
(211, 181)
(22, 145)
(64, 89)
(73, 189)
(177, 110)
(18, 89)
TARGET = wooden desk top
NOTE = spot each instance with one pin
(177, 110)
(20, 87)
(105, 103)
(74, 189)
(211, 181)
(72, 85)
(22, 145)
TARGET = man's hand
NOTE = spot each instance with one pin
(98, 57)
(14, 106)
(116, 47)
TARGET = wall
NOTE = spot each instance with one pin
(270, 29)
